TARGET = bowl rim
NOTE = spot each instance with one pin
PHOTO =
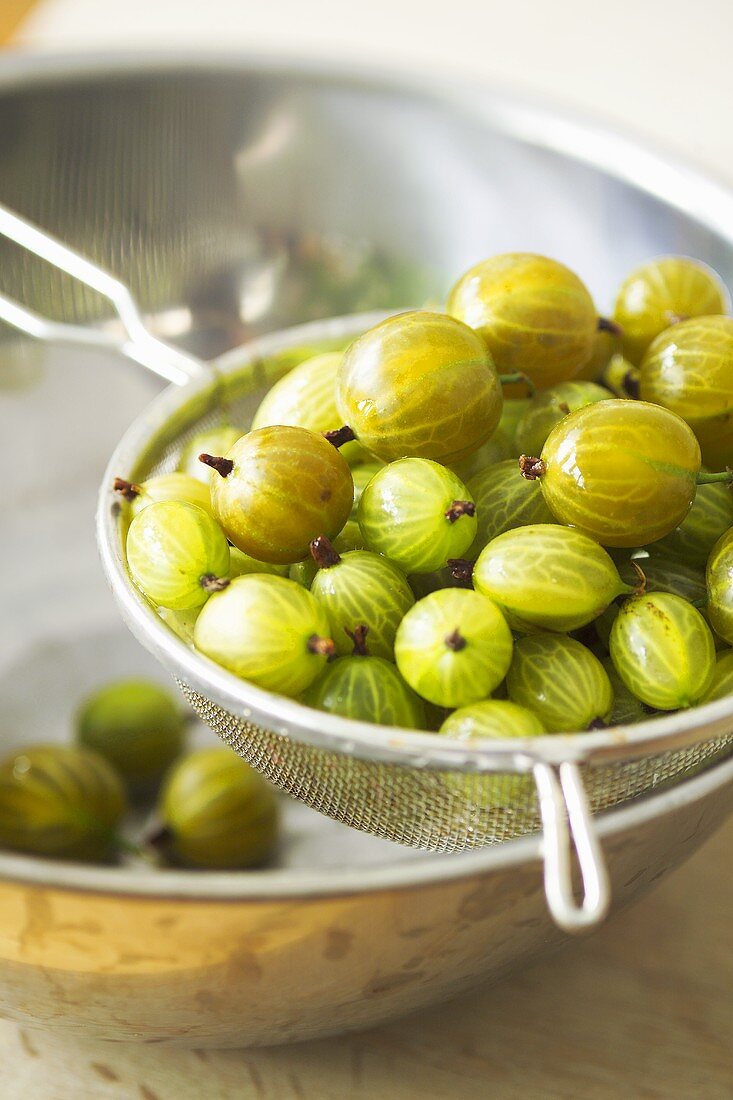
(432, 869)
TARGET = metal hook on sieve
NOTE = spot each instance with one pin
(567, 823)
(141, 346)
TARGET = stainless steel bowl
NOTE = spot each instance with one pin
(237, 198)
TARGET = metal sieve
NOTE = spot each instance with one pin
(417, 789)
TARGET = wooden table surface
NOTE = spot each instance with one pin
(643, 1009)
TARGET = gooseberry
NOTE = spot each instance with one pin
(689, 370)
(453, 647)
(504, 501)
(535, 315)
(547, 577)
(360, 587)
(663, 650)
(419, 385)
(214, 441)
(366, 688)
(622, 472)
(418, 514)
(305, 397)
(561, 681)
(175, 486)
(216, 812)
(709, 518)
(268, 630)
(719, 576)
(60, 801)
(279, 488)
(662, 292)
(722, 681)
(136, 726)
(177, 554)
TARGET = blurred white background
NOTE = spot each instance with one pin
(661, 68)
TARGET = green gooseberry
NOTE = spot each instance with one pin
(513, 411)
(719, 576)
(627, 709)
(306, 398)
(366, 688)
(547, 577)
(177, 554)
(663, 650)
(419, 385)
(214, 441)
(547, 408)
(175, 486)
(268, 630)
(136, 726)
(504, 501)
(62, 802)
(535, 315)
(279, 488)
(418, 514)
(360, 587)
(689, 370)
(721, 684)
(217, 813)
(661, 292)
(709, 518)
(561, 681)
(622, 472)
(349, 539)
(453, 647)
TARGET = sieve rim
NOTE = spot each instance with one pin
(296, 721)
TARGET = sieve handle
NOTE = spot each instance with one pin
(140, 346)
(567, 823)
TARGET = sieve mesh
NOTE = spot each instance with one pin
(439, 810)
(416, 806)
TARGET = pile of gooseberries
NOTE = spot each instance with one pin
(492, 521)
(127, 788)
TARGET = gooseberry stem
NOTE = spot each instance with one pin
(531, 468)
(223, 466)
(598, 724)
(324, 647)
(211, 583)
(519, 376)
(358, 636)
(630, 383)
(339, 436)
(128, 489)
(455, 641)
(725, 476)
(460, 508)
(605, 324)
(323, 552)
(640, 588)
(461, 570)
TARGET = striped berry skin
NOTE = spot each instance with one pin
(367, 689)
(453, 647)
(547, 577)
(419, 385)
(661, 291)
(719, 578)
(535, 315)
(689, 370)
(622, 472)
(663, 650)
(561, 681)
